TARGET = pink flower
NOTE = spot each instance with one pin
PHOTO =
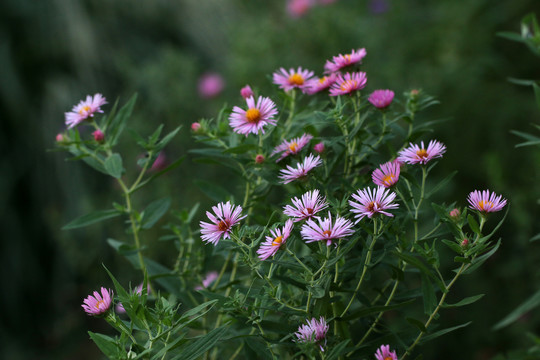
(85, 110)
(319, 147)
(259, 159)
(383, 353)
(98, 136)
(59, 138)
(255, 117)
(210, 85)
(387, 175)
(292, 79)
(319, 84)
(98, 304)
(138, 290)
(486, 202)
(293, 146)
(246, 92)
(160, 163)
(273, 243)
(208, 280)
(297, 8)
(313, 332)
(372, 202)
(310, 204)
(195, 127)
(301, 170)
(415, 154)
(346, 84)
(381, 98)
(326, 231)
(226, 216)
(342, 61)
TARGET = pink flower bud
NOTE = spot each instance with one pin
(465, 242)
(259, 159)
(59, 138)
(195, 126)
(246, 92)
(210, 85)
(319, 147)
(455, 214)
(98, 135)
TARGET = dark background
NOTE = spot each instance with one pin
(54, 53)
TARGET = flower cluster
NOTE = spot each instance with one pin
(314, 331)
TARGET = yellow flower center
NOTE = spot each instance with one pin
(485, 205)
(327, 232)
(322, 80)
(348, 57)
(99, 303)
(277, 241)
(84, 110)
(223, 225)
(388, 179)
(422, 153)
(253, 115)
(388, 358)
(293, 147)
(371, 206)
(348, 84)
(296, 79)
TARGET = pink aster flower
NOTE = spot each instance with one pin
(246, 92)
(273, 243)
(381, 98)
(383, 353)
(301, 170)
(226, 216)
(319, 84)
(305, 208)
(292, 79)
(326, 230)
(255, 117)
(85, 110)
(313, 332)
(415, 154)
(342, 61)
(387, 175)
(372, 202)
(99, 303)
(486, 202)
(346, 84)
(210, 85)
(288, 147)
(208, 280)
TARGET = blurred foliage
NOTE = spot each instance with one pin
(53, 53)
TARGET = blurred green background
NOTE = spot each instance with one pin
(54, 53)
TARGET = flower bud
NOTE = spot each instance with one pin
(455, 214)
(59, 138)
(98, 136)
(195, 127)
(246, 92)
(319, 147)
(259, 159)
(465, 243)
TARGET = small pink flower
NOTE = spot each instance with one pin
(208, 280)
(454, 214)
(85, 110)
(259, 159)
(319, 84)
(415, 154)
(298, 8)
(246, 92)
(319, 147)
(381, 98)
(387, 175)
(486, 201)
(160, 163)
(210, 85)
(383, 353)
(99, 303)
(59, 137)
(342, 61)
(372, 202)
(464, 243)
(273, 243)
(301, 170)
(346, 84)
(294, 146)
(255, 117)
(305, 208)
(313, 332)
(326, 230)
(293, 79)
(98, 136)
(195, 127)
(226, 216)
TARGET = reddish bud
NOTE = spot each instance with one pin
(98, 135)
(319, 147)
(455, 214)
(59, 138)
(195, 126)
(465, 242)
(246, 92)
(259, 159)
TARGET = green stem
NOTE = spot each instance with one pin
(298, 260)
(221, 272)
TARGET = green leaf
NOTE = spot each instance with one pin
(212, 190)
(535, 238)
(202, 344)
(259, 348)
(241, 149)
(159, 173)
(166, 139)
(537, 94)
(417, 323)
(466, 301)
(430, 300)
(91, 218)
(338, 350)
(443, 332)
(154, 212)
(441, 184)
(473, 224)
(107, 345)
(118, 123)
(461, 259)
(376, 309)
(453, 245)
(518, 312)
(113, 165)
(420, 266)
(481, 259)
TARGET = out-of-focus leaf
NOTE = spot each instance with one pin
(91, 218)
(212, 190)
(118, 123)
(441, 184)
(416, 323)
(202, 344)
(154, 212)
(481, 259)
(473, 224)
(430, 300)
(259, 348)
(376, 309)
(420, 266)
(159, 173)
(113, 165)
(338, 350)
(461, 259)
(241, 149)
(466, 301)
(166, 139)
(453, 245)
(528, 305)
(436, 334)
(107, 345)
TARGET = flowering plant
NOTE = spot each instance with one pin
(333, 250)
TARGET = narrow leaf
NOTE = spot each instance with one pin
(430, 300)
(473, 224)
(91, 218)
(518, 312)
(113, 165)
(466, 301)
(154, 212)
(107, 345)
(202, 344)
(443, 332)
(213, 191)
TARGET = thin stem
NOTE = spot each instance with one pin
(221, 272)
(298, 260)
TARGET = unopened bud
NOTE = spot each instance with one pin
(465, 243)
(98, 135)
(319, 147)
(259, 159)
(195, 127)
(59, 138)
(455, 214)
(246, 92)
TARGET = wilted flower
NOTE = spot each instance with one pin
(342, 61)
(246, 92)
(210, 85)
(346, 84)
(381, 98)
(317, 85)
(226, 216)
(415, 154)
(326, 230)
(99, 303)
(273, 243)
(305, 208)
(319, 147)
(372, 202)
(313, 332)
(255, 117)
(84, 110)
(387, 175)
(259, 159)
(288, 147)
(292, 79)
(383, 353)
(485, 201)
(98, 136)
(301, 170)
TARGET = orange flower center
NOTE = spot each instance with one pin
(99, 303)
(223, 225)
(327, 232)
(485, 205)
(277, 241)
(253, 115)
(84, 110)
(293, 147)
(348, 84)
(388, 358)
(309, 210)
(322, 80)
(371, 206)
(422, 153)
(388, 179)
(296, 79)
(347, 58)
